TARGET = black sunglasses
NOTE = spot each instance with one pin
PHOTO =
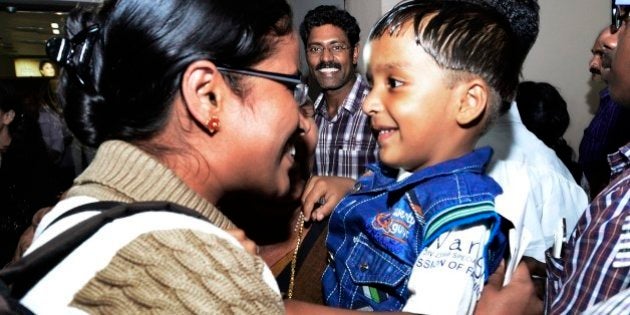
(293, 82)
(619, 13)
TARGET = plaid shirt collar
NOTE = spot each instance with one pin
(353, 101)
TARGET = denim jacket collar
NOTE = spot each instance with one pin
(384, 177)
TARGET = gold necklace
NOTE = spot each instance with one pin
(300, 228)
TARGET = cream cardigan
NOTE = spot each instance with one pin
(166, 262)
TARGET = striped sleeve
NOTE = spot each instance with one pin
(597, 261)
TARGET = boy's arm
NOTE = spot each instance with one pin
(324, 192)
(448, 275)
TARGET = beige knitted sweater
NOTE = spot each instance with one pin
(169, 271)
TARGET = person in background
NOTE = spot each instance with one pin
(539, 192)
(178, 111)
(346, 144)
(61, 146)
(28, 177)
(7, 115)
(544, 113)
(47, 69)
(594, 266)
(592, 274)
(610, 127)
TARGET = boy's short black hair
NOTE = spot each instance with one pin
(464, 38)
(330, 14)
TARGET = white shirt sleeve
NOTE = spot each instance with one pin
(448, 275)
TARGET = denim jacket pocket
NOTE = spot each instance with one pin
(367, 266)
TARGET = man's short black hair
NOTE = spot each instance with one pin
(330, 14)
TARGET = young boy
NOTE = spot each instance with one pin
(420, 233)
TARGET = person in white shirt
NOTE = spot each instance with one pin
(538, 190)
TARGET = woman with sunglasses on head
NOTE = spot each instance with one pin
(187, 101)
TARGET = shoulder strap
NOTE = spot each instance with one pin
(26, 272)
(92, 206)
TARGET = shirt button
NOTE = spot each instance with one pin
(330, 258)
(364, 267)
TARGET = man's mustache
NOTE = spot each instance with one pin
(330, 64)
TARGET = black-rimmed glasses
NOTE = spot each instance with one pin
(294, 82)
(335, 49)
(619, 14)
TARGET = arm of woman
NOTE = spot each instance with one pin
(179, 271)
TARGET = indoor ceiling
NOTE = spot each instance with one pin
(25, 25)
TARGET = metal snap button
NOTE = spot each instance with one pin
(364, 267)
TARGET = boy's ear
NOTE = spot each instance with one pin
(7, 117)
(203, 91)
(472, 102)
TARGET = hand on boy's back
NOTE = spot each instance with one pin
(248, 244)
(517, 297)
(322, 194)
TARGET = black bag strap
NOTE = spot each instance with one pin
(23, 274)
(92, 206)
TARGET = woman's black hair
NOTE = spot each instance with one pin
(544, 113)
(137, 51)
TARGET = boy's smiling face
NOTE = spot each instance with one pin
(410, 104)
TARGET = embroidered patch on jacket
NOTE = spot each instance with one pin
(622, 257)
(394, 225)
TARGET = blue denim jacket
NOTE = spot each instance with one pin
(377, 232)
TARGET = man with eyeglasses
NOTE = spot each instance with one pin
(346, 143)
